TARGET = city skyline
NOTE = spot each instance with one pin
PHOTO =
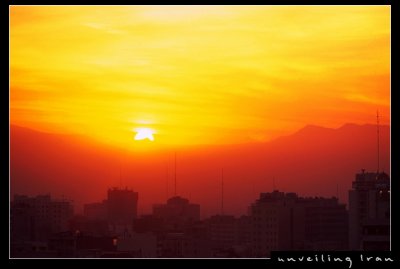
(276, 221)
(199, 131)
(260, 164)
(82, 208)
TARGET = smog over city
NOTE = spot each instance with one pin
(199, 131)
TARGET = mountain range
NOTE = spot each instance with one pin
(314, 161)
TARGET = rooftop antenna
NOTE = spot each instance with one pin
(175, 177)
(254, 188)
(222, 192)
(337, 191)
(377, 132)
(166, 178)
(120, 176)
(273, 184)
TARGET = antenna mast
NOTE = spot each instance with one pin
(377, 132)
(273, 184)
(175, 177)
(222, 192)
(120, 174)
(337, 191)
(166, 178)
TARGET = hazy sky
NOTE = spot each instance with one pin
(197, 74)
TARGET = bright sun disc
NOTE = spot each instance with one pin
(144, 133)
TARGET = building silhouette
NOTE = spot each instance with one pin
(72, 244)
(222, 231)
(278, 223)
(33, 220)
(96, 227)
(142, 245)
(285, 221)
(229, 236)
(181, 229)
(119, 210)
(191, 242)
(326, 224)
(177, 213)
(45, 227)
(244, 235)
(96, 211)
(121, 205)
(148, 223)
(369, 209)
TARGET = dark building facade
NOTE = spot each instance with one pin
(326, 224)
(369, 209)
(33, 220)
(285, 221)
(177, 213)
(122, 205)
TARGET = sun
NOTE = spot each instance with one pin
(144, 133)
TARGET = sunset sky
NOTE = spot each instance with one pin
(197, 74)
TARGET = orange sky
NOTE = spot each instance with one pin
(197, 74)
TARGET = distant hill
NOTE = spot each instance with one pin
(313, 161)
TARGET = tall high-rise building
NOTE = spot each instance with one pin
(369, 212)
(326, 224)
(278, 223)
(222, 231)
(285, 221)
(96, 211)
(177, 213)
(122, 205)
(36, 218)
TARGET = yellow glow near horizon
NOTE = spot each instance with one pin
(197, 74)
